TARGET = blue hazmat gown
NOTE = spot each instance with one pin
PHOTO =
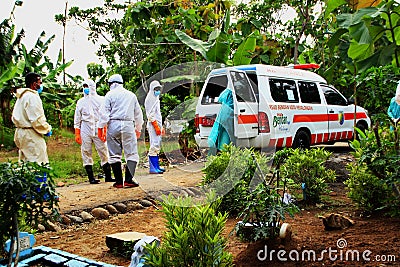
(222, 130)
(394, 109)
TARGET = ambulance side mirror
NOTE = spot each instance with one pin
(350, 101)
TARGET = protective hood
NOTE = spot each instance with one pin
(152, 103)
(22, 91)
(92, 87)
(397, 97)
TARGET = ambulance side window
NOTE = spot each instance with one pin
(214, 87)
(242, 87)
(333, 97)
(254, 83)
(309, 93)
(283, 90)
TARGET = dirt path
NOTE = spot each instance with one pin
(84, 196)
(378, 234)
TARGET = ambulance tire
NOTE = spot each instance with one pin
(301, 140)
(362, 127)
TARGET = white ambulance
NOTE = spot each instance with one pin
(278, 107)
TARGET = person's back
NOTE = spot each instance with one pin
(121, 117)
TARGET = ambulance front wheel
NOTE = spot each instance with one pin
(301, 140)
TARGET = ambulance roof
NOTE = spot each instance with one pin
(274, 71)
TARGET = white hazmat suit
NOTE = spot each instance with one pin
(87, 114)
(122, 116)
(154, 125)
(30, 121)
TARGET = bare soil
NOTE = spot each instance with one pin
(379, 234)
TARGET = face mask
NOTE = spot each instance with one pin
(86, 91)
(157, 93)
(40, 89)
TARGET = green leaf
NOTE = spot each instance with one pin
(11, 72)
(220, 51)
(359, 51)
(332, 5)
(245, 50)
(381, 57)
(197, 45)
(360, 33)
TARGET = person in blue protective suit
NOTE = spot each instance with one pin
(222, 130)
(120, 124)
(154, 125)
(394, 107)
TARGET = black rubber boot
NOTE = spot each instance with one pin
(116, 168)
(130, 169)
(89, 171)
(107, 171)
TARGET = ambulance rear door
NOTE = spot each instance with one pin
(245, 105)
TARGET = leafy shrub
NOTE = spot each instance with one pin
(368, 191)
(193, 237)
(305, 168)
(265, 210)
(28, 194)
(376, 171)
(230, 174)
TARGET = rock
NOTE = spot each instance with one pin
(65, 220)
(111, 209)
(117, 242)
(75, 219)
(121, 207)
(134, 206)
(53, 227)
(190, 193)
(41, 228)
(145, 203)
(60, 184)
(86, 216)
(100, 213)
(196, 191)
(336, 221)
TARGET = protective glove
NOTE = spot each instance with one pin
(102, 133)
(78, 136)
(49, 133)
(156, 127)
(137, 134)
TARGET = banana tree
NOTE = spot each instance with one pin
(218, 46)
(373, 34)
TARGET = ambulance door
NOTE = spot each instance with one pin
(339, 114)
(245, 105)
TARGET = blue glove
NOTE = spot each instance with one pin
(49, 133)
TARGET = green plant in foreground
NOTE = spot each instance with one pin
(305, 167)
(234, 167)
(27, 193)
(375, 176)
(193, 237)
(264, 210)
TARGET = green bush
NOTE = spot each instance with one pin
(265, 210)
(230, 174)
(365, 189)
(6, 138)
(376, 171)
(28, 196)
(193, 237)
(306, 169)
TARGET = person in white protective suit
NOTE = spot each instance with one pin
(30, 121)
(86, 117)
(120, 124)
(154, 125)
